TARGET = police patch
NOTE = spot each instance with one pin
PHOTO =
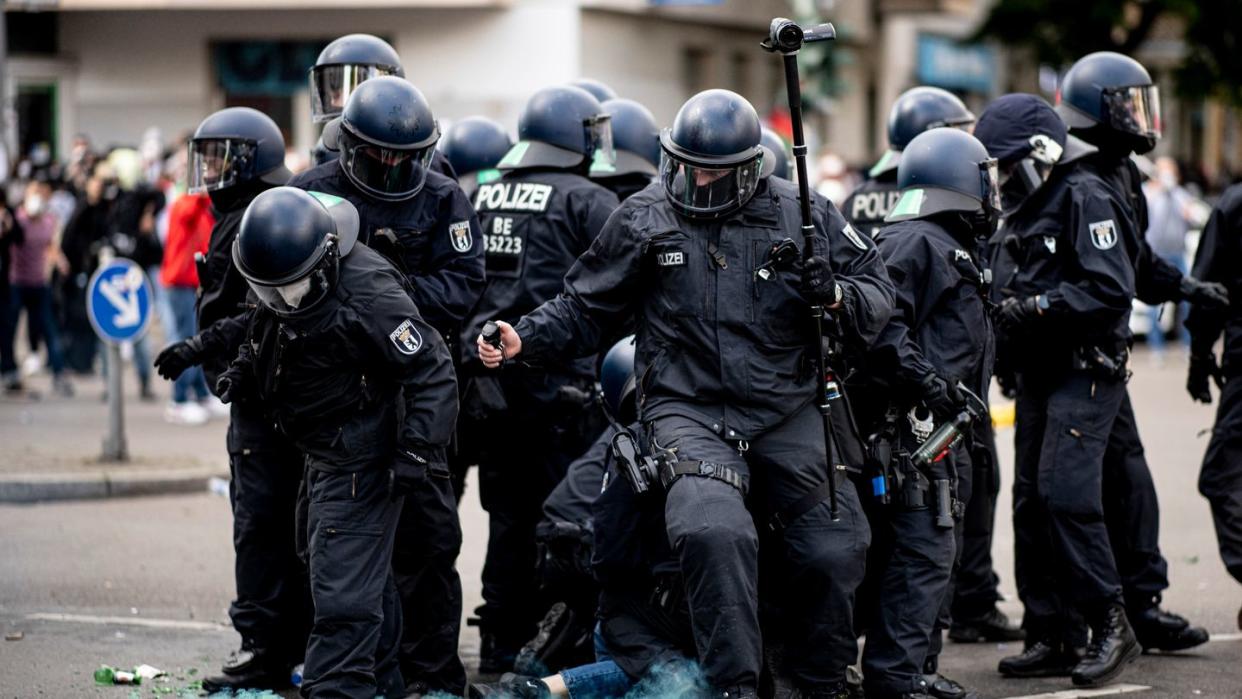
(459, 235)
(854, 237)
(1103, 234)
(670, 258)
(406, 338)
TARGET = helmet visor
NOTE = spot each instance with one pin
(599, 139)
(219, 163)
(331, 86)
(387, 173)
(1134, 110)
(989, 172)
(709, 192)
(300, 295)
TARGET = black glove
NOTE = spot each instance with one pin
(1206, 295)
(409, 469)
(819, 284)
(1203, 367)
(1014, 312)
(179, 356)
(941, 397)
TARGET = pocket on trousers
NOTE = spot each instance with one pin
(1072, 483)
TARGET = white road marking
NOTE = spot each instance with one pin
(1226, 637)
(1108, 691)
(129, 621)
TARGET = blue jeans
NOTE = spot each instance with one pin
(602, 680)
(1155, 338)
(180, 301)
(37, 300)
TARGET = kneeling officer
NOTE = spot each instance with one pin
(344, 365)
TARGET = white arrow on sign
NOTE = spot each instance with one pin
(123, 295)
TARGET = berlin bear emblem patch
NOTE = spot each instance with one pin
(406, 338)
(1103, 234)
(854, 237)
(459, 234)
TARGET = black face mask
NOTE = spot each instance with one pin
(1114, 144)
(238, 196)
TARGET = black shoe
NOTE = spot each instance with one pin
(993, 626)
(941, 687)
(250, 668)
(563, 641)
(1040, 659)
(510, 686)
(1157, 629)
(495, 658)
(1113, 647)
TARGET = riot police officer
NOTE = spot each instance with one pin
(637, 141)
(1110, 101)
(1218, 259)
(776, 158)
(341, 361)
(422, 222)
(532, 421)
(723, 333)
(939, 339)
(915, 111)
(341, 67)
(599, 90)
(473, 147)
(234, 155)
(1066, 271)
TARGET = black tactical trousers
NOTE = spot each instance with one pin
(1220, 480)
(528, 452)
(424, 564)
(351, 522)
(272, 610)
(1063, 561)
(714, 537)
(975, 590)
(963, 470)
(1133, 514)
(908, 566)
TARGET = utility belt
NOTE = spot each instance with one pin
(1110, 364)
(660, 470)
(897, 480)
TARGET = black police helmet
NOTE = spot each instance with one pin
(602, 92)
(474, 144)
(288, 246)
(618, 382)
(776, 155)
(916, 110)
(712, 157)
(321, 154)
(343, 65)
(386, 138)
(560, 127)
(946, 169)
(635, 137)
(1111, 90)
(234, 146)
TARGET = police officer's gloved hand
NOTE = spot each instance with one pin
(1202, 368)
(1207, 295)
(409, 469)
(942, 398)
(819, 284)
(179, 356)
(232, 384)
(1014, 312)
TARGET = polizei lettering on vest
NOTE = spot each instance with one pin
(513, 196)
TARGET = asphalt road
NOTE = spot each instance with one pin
(148, 580)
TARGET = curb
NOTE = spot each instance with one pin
(43, 487)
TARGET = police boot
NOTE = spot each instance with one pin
(250, 668)
(563, 641)
(1157, 629)
(1040, 659)
(510, 686)
(992, 626)
(1113, 647)
(941, 687)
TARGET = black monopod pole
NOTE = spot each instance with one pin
(786, 38)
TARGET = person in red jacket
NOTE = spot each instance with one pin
(189, 229)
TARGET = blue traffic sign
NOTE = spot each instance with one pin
(118, 301)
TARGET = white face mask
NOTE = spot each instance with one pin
(34, 205)
(295, 292)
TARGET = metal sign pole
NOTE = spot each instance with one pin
(114, 447)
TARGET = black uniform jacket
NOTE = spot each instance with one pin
(718, 341)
